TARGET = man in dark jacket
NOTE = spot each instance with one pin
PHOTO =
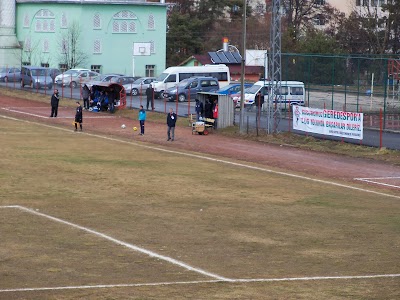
(171, 121)
(149, 94)
(54, 104)
(78, 116)
(199, 109)
(85, 96)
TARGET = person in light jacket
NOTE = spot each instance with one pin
(142, 119)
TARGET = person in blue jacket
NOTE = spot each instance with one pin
(142, 119)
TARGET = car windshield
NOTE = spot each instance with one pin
(138, 81)
(162, 77)
(39, 72)
(253, 89)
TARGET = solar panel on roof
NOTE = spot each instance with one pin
(214, 58)
(223, 58)
(237, 56)
(231, 58)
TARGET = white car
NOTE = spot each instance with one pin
(74, 78)
(139, 86)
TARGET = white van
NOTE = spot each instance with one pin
(173, 75)
(291, 93)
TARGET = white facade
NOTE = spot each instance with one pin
(8, 41)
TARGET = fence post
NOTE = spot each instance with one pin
(361, 141)
(380, 128)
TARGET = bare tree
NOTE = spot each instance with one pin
(71, 54)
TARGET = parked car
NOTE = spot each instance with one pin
(75, 78)
(232, 88)
(194, 85)
(122, 80)
(10, 74)
(59, 77)
(54, 73)
(36, 77)
(138, 86)
(101, 78)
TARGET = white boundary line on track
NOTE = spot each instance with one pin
(241, 165)
(45, 117)
(372, 180)
(121, 243)
(102, 286)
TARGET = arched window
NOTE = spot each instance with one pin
(44, 21)
(152, 47)
(150, 23)
(46, 46)
(45, 26)
(96, 21)
(38, 26)
(52, 26)
(26, 20)
(123, 22)
(97, 46)
(64, 21)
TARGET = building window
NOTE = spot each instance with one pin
(63, 67)
(97, 47)
(320, 2)
(123, 22)
(374, 3)
(365, 3)
(96, 22)
(319, 20)
(44, 21)
(124, 27)
(150, 70)
(26, 63)
(152, 47)
(27, 46)
(64, 46)
(46, 46)
(45, 65)
(150, 23)
(64, 21)
(132, 27)
(26, 21)
(96, 68)
(358, 2)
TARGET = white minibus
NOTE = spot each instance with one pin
(292, 92)
(173, 75)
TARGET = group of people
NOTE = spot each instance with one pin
(54, 102)
(103, 100)
(208, 111)
(171, 122)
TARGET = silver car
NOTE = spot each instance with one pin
(74, 79)
(10, 74)
(139, 86)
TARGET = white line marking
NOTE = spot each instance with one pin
(377, 182)
(45, 117)
(127, 245)
(222, 161)
(102, 286)
(389, 177)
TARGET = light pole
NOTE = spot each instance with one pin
(242, 70)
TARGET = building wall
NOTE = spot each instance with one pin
(98, 38)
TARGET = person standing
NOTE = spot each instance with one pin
(55, 99)
(199, 109)
(171, 121)
(215, 113)
(85, 96)
(78, 116)
(142, 119)
(149, 94)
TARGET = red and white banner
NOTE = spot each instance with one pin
(328, 122)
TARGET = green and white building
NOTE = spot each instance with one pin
(113, 36)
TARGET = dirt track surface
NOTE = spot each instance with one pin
(307, 163)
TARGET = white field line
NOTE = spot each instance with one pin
(201, 157)
(46, 117)
(373, 180)
(102, 286)
(122, 243)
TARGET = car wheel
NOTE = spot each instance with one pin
(22, 83)
(134, 92)
(73, 84)
(181, 98)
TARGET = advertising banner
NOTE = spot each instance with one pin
(328, 122)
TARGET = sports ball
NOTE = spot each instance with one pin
(134, 128)
(123, 126)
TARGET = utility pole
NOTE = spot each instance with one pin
(241, 122)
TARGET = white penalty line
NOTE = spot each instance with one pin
(287, 279)
(121, 243)
(241, 165)
(372, 180)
